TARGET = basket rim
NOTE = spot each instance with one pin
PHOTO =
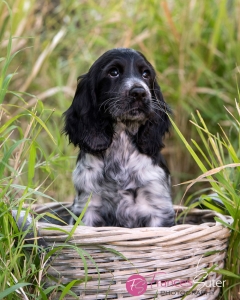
(228, 220)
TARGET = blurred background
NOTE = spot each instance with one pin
(193, 45)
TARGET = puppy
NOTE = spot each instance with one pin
(118, 119)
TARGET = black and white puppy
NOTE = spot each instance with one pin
(118, 119)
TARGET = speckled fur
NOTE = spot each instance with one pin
(127, 188)
(118, 119)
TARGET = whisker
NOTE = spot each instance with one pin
(111, 92)
(159, 108)
(108, 100)
(161, 104)
(113, 106)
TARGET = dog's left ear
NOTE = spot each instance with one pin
(85, 125)
(149, 138)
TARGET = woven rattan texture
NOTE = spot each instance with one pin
(170, 259)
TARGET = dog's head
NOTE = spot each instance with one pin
(120, 86)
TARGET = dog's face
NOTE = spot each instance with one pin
(120, 86)
(125, 85)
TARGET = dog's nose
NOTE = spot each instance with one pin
(138, 93)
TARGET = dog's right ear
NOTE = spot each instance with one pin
(85, 126)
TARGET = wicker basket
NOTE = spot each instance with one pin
(170, 259)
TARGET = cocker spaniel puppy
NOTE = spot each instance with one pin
(118, 119)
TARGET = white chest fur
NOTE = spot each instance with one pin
(123, 181)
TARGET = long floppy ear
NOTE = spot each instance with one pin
(149, 138)
(85, 126)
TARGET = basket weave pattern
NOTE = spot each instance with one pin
(168, 258)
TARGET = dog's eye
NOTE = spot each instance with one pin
(146, 74)
(113, 72)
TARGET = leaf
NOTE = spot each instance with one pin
(43, 125)
(227, 273)
(31, 191)
(190, 149)
(12, 289)
(7, 124)
(69, 286)
(226, 224)
(56, 228)
(208, 271)
(79, 218)
(31, 163)
(43, 294)
(7, 155)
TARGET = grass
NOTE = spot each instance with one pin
(195, 48)
(220, 166)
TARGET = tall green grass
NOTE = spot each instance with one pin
(194, 46)
(44, 46)
(219, 161)
(20, 270)
(21, 156)
(25, 167)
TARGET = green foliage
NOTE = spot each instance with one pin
(194, 46)
(220, 166)
(21, 264)
(45, 46)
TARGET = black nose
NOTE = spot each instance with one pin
(138, 93)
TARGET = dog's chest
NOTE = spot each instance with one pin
(122, 167)
(119, 159)
(125, 166)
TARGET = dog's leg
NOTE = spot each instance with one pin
(92, 216)
(87, 179)
(148, 206)
(154, 202)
